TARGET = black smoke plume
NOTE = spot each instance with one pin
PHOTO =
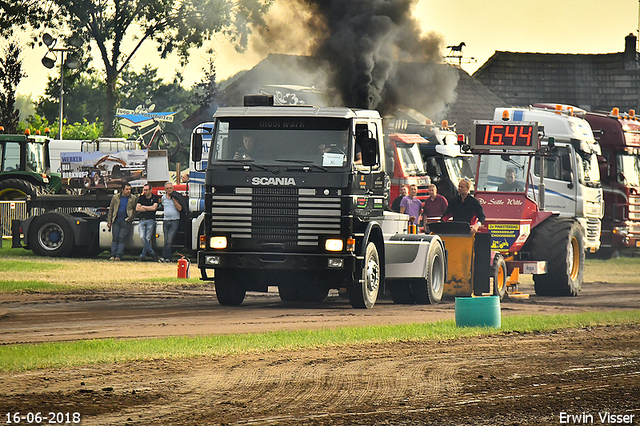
(376, 55)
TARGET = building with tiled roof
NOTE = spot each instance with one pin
(594, 82)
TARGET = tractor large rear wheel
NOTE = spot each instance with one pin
(560, 242)
(16, 189)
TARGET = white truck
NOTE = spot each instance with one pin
(571, 175)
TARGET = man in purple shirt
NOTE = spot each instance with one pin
(411, 205)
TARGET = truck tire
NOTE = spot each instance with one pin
(229, 289)
(16, 189)
(560, 242)
(401, 292)
(363, 293)
(288, 293)
(430, 290)
(51, 235)
(499, 275)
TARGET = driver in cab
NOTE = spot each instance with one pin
(510, 184)
(248, 150)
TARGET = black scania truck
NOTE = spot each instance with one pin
(296, 197)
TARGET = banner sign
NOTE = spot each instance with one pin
(97, 169)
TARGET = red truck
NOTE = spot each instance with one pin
(619, 138)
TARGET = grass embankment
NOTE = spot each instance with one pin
(22, 271)
(89, 352)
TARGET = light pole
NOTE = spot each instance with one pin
(71, 62)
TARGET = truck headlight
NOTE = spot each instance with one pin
(335, 263)
(621, 230)
(333, 244)
(218, 242)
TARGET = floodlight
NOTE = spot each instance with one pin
(48, 62)
(48, 40)
(72, 63)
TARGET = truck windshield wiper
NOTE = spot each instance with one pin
(245, 162)
(305, 163)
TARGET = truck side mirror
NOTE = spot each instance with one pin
(196, 147)
(369, 151)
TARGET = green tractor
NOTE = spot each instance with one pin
(25, 167)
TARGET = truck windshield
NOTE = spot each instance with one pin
(35, 158)
(458, 168)
(410, 159)
(320, 142)
(629, 169)
(588, 171)
(496, 171)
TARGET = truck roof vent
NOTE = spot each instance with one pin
(258, 100)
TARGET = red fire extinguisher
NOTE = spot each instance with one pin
(183, 266)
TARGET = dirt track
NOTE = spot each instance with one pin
(505, 379)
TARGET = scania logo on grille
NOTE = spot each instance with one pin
(273, 181)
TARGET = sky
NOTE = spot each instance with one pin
(486, 26)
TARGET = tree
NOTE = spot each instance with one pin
(10, 75)
(84, 98)
(174, 25)
(207, 91)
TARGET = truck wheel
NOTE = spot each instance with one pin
(499, 274)
(364, 292)
(401, 292)
(561, 243)
(288, 293)
(430, 290)
(16, 189)
(229, 290)
(51, 235)
(314, 293)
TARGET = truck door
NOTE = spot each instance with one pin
(370, 182)
(559, 181)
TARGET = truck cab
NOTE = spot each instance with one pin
(288, 198)
(619, 138)
(296, 197)
(571, 173)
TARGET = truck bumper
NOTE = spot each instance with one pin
(273, 261)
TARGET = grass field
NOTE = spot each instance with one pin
(67, 354)
(21, 270)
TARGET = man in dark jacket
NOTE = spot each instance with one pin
(465, 208)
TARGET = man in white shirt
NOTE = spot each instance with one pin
(172, 203)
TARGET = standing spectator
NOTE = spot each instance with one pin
(146, 208)
(434, 206)
(404, 191)
(174, 205)
(411, 205)
(119, 220)
(465, 208)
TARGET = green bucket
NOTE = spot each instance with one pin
(478, 311)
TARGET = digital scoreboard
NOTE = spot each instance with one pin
(520, 135)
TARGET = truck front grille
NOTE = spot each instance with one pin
(288, 216)
(593, 230)
(634, 207)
